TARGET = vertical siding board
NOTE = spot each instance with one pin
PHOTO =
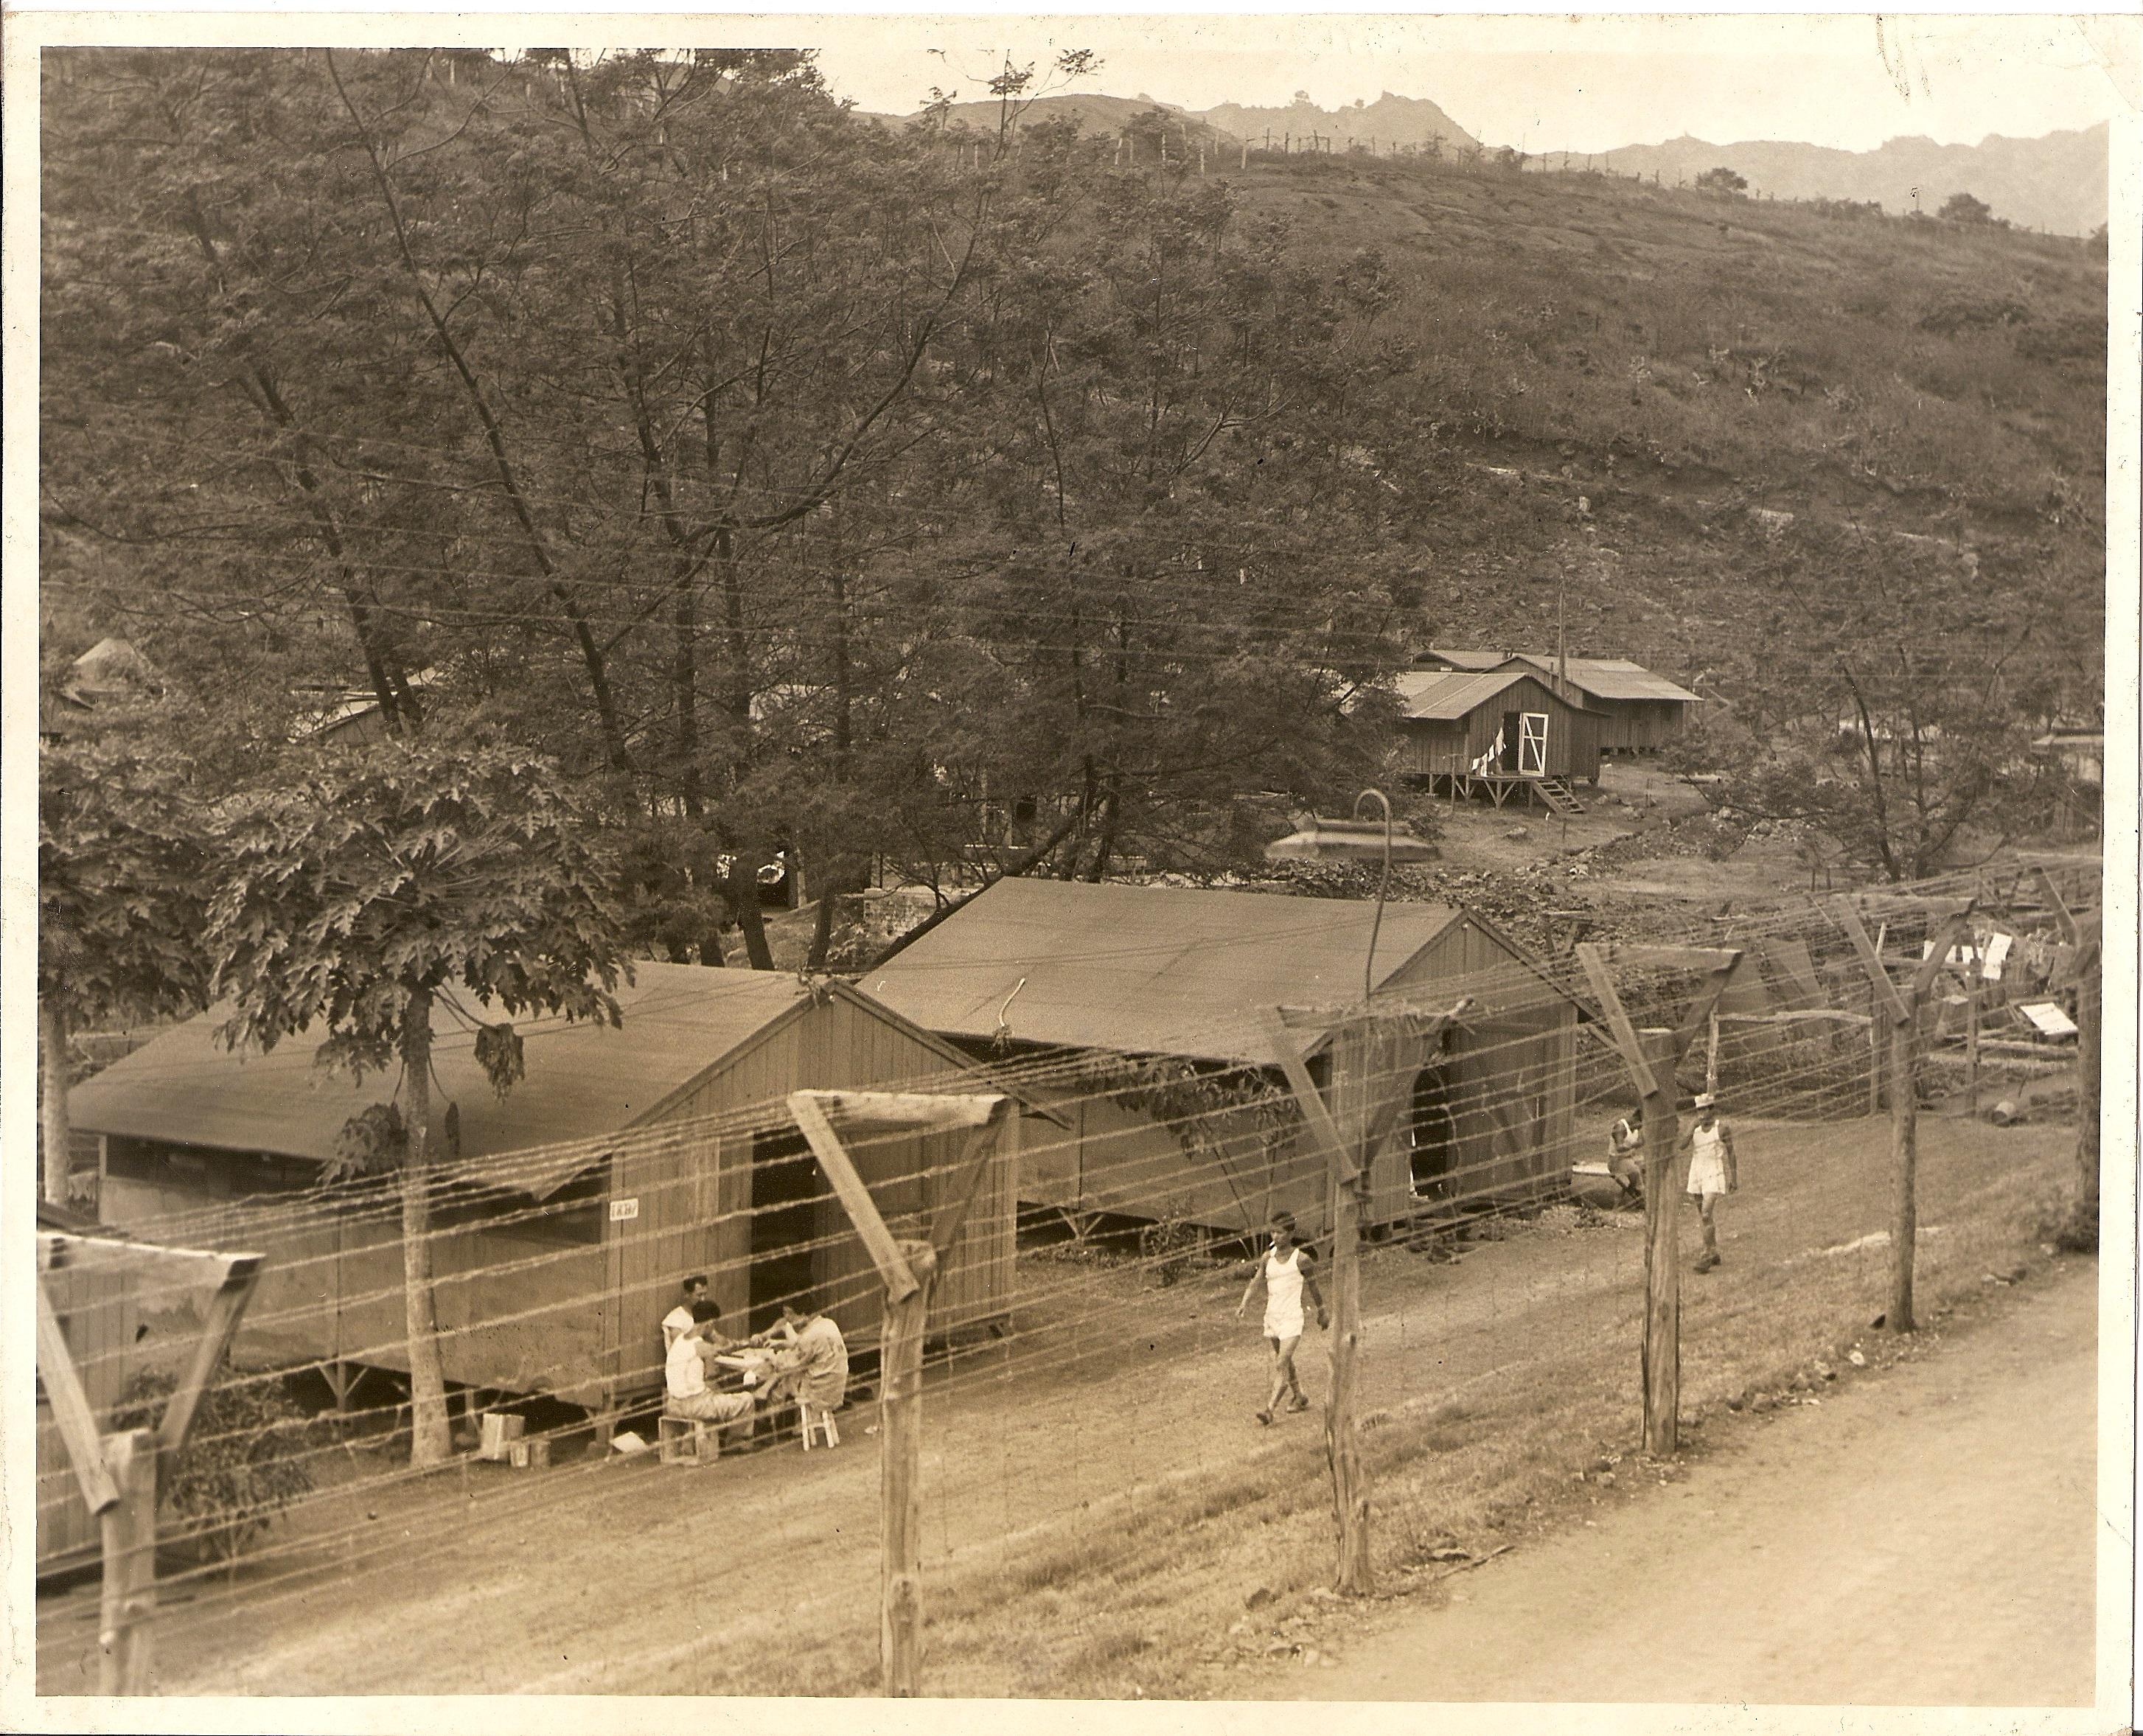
(519, 1313)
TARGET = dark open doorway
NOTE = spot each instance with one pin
(1432, 1136)
(784, 1223)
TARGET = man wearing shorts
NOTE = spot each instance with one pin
(1286, 1270)
(1712, 1173)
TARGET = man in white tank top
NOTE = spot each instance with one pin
(1712, 1173)
(1287, 1271)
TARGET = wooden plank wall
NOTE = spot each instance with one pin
(829, 1046)
(1433, 748)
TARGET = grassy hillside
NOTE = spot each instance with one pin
(1723, 381)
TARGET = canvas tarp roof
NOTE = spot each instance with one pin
(583, 1079)
(1142, 970)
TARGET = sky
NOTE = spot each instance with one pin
(1540, 81)
(1548, 83)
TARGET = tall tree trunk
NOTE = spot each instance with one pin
(744, 894)
(830, 881)
(429, 1441)
(53, 1126)
(1105, 847)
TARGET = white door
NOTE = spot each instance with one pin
(1532, 743)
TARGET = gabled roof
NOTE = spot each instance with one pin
(584, 1080)
(1441, 694)
(1599, 678)
(1143, 970)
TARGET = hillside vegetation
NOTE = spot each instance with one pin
(906, 498)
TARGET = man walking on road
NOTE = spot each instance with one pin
(1285, 1272)
(1712, 1173)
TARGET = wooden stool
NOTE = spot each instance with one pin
(686, 1441)
(810, 1417)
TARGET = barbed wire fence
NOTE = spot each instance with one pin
(1087, 1427)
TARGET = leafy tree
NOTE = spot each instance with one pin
(1723, 181)
(1893, 702)
(1964, 208)
(356, 897)
(120, 868)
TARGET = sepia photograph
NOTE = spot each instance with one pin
(1206, 858)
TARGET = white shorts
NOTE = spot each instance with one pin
(1707, 1175)
(1284, 1327)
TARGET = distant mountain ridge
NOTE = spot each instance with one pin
(1390, 119)
(2057, 182)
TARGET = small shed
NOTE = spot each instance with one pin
(1097, 975)
(1499, 732)
(569, 1210)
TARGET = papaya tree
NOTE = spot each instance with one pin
(356, 894)
(119, 906)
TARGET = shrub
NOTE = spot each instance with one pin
(1169, 1247)
(242, 1463)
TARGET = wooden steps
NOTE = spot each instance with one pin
(1560, 797)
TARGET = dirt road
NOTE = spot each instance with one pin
(1924, 1539)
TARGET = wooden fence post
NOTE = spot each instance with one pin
(1898, 1005)
(900, 1570)
(1661, 1351)
(1352, 1053)
(1904, 1161)
(1971, 1041)
(128, 1603)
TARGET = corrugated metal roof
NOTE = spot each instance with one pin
(583, 1080)
(1445, 694)
(1614, 678)
(1143, 970)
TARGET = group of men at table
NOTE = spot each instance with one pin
(801, 1357)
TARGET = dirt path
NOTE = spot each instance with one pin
(1117, 1420)
(1924, 1539)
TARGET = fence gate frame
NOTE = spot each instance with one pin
(117, 1472)
(908, 1269)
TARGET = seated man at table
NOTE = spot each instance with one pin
(816, 1360)
(686, 1390)
(679, 1317)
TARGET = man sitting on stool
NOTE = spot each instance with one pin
(815, 1362)
(686, 1390)
(679, 1317)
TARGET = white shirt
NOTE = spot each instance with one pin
(1284, 1294)
(684, 1375)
